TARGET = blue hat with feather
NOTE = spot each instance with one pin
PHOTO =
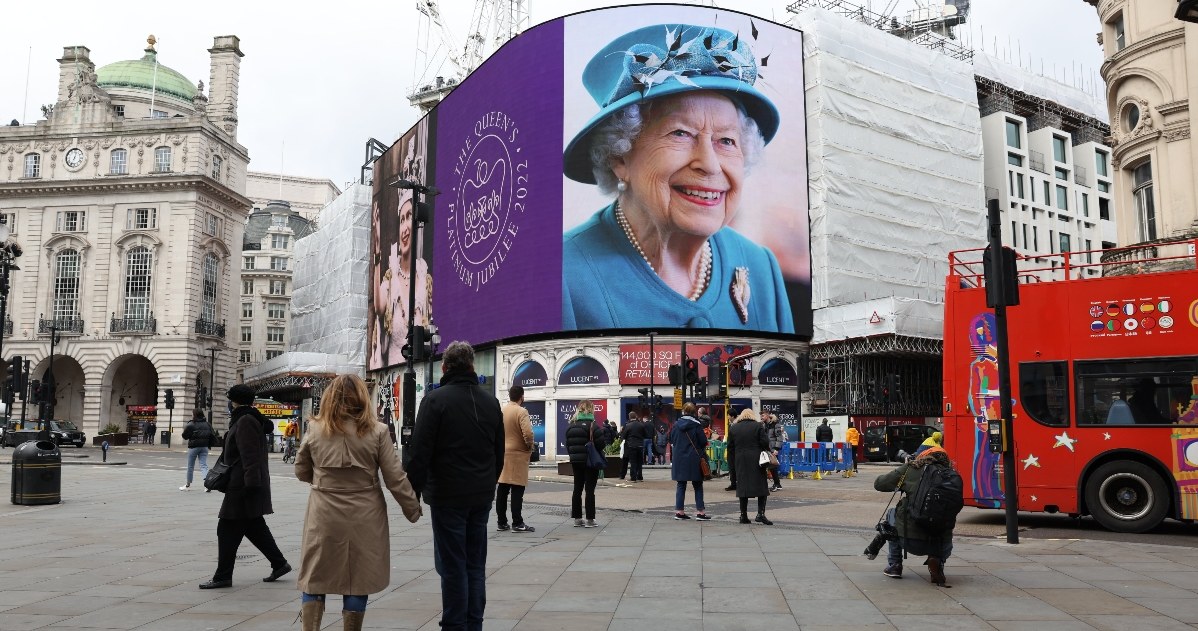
(657, 61)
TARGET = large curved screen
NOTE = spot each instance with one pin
(638, 167)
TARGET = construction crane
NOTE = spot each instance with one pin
(443, 61)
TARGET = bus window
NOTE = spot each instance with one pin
(1140, 392)
(1043, 392)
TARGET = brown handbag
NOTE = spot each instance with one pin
(704, 468)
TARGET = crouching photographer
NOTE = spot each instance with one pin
(922, 522)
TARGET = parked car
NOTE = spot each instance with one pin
(902, 437)
(66, 432)
(17, 432)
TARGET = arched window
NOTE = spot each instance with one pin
(162, 159)
(118, 162)
(217, 163)
(66, 285)
(208, 306)
(1142, 197)
(138, 271)
(33, 165)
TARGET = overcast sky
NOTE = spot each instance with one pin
(316, 85)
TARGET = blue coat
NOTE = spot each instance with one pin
(686, 459)
(607, 285)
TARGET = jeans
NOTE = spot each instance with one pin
(635, 460)
(349, 602)
(648, 442)
(230, 532)
(460, 556)
(501, 493)
(585, 478)
(680, 495)
(192, 454)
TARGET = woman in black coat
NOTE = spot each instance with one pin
(689, 445)
(583, 429)
(247, 499)
(746, 440)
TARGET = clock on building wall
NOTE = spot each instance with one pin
(74, 159)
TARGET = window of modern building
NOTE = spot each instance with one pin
(1052, 245)
(243, 357)
(1104, 187)
(211, 280)
(1047, 192)
(1032, 182)
(1058, 149)
(1062, 174)
(118, 162)
(1085, 204)
(274, 334)
(1023, 233)
(141, 219)
(1119, 31)
(1101, 160)
(1089, 254)
(247, 262)
(278, 288)
(1143, 202)
(1013, 135)
(1011, 185)
(1014, 160)
(1065, 242)
(1019, 185)
(1062, 197)
(271, 354)
(278, 263)
(1035, 238)
(276, 311)
(247, 309)
(1014, 236)
(247, 287)
(1104, 208)
(138, 275)
(33, 165)
(66, 285)
(247, 334)
(162, 159)
(278, 241)
(71, 221)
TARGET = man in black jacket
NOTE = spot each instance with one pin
(457, 456)
(247, 499)
(198, 435)
(823, 433)
(633, 434)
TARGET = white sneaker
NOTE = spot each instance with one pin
(186, 487)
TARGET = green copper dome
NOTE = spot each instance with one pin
(140, 73)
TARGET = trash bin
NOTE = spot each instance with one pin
(37, 473)
(164, 437)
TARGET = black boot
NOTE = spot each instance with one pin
(744, 518)
(762, 519)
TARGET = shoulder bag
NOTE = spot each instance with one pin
(767, 460)
(595, 460)
(704, 468)
(219, 474)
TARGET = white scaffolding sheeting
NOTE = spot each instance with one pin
(1035, 84)
(328, 303)
(882, 316)
(896, 169)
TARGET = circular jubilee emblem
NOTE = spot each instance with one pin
(491, 184)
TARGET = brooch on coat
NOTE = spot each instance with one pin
(740, 293)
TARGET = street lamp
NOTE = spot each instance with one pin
(412, 353)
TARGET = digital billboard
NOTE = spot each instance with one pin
(639, 167)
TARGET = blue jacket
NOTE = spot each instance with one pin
(607, 285)
(685, 465)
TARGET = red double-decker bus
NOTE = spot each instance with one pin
(1105, 372)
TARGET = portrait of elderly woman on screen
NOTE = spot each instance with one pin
(679, 128)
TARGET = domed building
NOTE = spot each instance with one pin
(128, 199)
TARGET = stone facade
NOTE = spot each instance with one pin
(306, 195)
(130, 207)
(1151, 61)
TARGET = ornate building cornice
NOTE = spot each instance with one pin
(126, 184)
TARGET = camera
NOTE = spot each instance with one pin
(886, 532)
(903, 456)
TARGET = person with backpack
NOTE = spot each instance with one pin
(924, 518)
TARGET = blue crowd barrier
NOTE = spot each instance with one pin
(809, 457)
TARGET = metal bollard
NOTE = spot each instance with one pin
(104, 448)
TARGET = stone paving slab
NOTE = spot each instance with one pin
(125, 550)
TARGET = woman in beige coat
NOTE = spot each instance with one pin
(346, 544)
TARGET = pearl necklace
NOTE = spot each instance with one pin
(703, 273)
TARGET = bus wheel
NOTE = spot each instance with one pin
(1126, 496)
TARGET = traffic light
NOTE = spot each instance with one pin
(169, 399)
(16, 372)
(657, 401)
(675, 374)
(737, 375)
(643, 399)
(891, 391)
(419, 343)
(692, 371)
(804, 373)
(35, 391)
(1002, 278)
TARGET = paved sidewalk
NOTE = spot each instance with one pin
(126, 549)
